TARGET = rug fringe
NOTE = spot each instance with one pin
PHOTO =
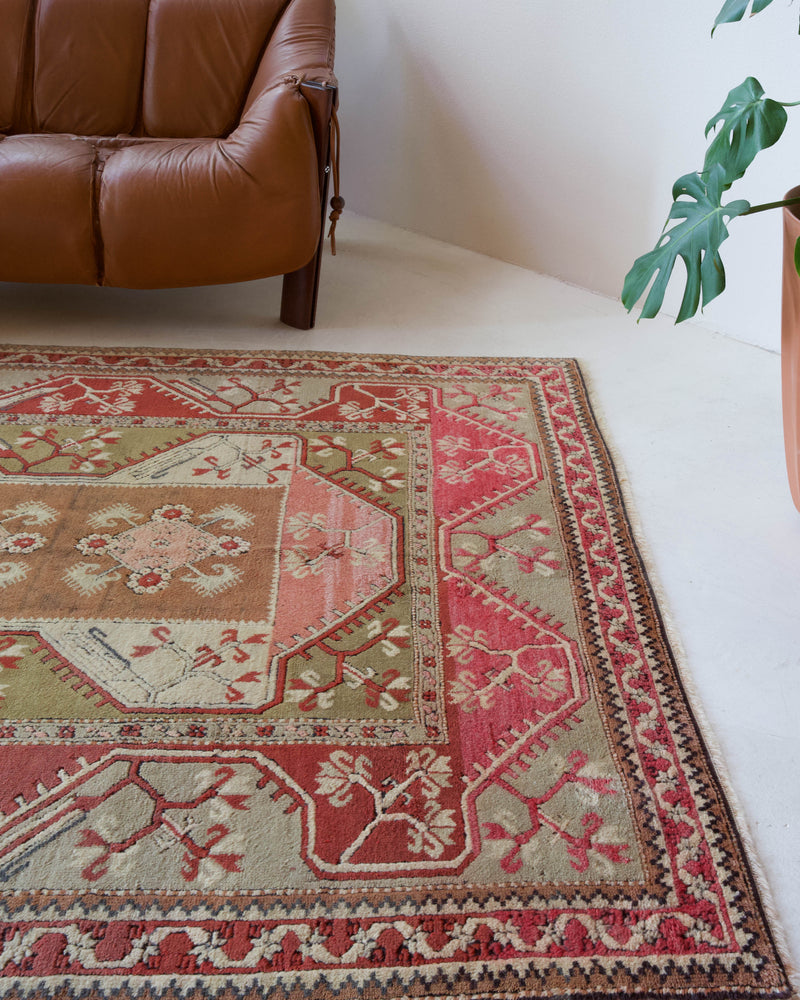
(675, 643)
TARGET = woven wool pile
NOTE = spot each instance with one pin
(340, 676)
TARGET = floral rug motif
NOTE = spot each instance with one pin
(340, 676)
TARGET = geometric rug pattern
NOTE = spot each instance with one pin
(341, 676)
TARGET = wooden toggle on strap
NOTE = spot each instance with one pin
(337, 202)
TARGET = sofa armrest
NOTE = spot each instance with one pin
(301, 48)
(177, 212)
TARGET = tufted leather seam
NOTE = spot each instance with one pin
(23, 110)
(138, 124)
(97, 235)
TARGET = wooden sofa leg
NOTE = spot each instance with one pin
(300, 290)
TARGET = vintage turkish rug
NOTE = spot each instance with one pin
(340, 676)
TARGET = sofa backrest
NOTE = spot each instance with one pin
(166, 68)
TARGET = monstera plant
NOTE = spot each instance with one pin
(697, 225)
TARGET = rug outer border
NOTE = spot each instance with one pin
(694, 702)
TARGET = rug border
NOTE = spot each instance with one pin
(100, 350)
(694, 703)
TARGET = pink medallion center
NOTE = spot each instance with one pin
(162, 545)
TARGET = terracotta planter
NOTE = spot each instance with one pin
(790, 346)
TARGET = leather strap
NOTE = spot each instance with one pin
(337, 202)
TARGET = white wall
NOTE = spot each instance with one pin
(549, 134)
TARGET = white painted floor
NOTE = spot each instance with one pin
(693, 418)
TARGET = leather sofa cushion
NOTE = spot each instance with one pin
(163, 68)
(88, 65)
(201, 57)
(46, 231)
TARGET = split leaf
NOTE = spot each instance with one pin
(700, 228)
(746, 123)
(734, 10)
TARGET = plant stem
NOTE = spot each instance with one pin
(770, 205)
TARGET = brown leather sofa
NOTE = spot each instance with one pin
(166, 143)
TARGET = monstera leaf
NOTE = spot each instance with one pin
(700, 228)
(734, 10)
(746, 123)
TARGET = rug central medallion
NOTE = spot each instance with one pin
(231, 596)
